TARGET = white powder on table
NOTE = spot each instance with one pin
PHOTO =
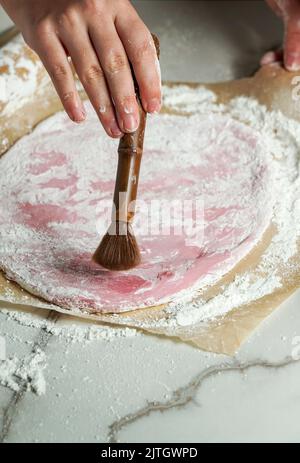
(28, 372)
(24, 373)
(77, 331)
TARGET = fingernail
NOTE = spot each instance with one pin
(153, 106)
(130, 123)
(292, 62)
(268, 58)
(128, 110)
(115, 130)
(78, 114)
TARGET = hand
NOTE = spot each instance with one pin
(289, 11)
(102, 37)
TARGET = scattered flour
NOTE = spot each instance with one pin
(281, 137)
(24, 373)
(56, 202)
(27, 373)
(187, 99)
(80, 331)
(282, 148)
(19, 76)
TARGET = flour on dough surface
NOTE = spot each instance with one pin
(54, 181)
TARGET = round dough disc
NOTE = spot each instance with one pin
(56, 193)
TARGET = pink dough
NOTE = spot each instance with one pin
(55, 182)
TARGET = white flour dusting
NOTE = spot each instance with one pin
(59, 180)
(281, 138)
(24, 373)
(78, 331)
(19, 75)
(282, 148)
(27, 372)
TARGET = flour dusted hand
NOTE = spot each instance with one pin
(102, 37)
(289, 11)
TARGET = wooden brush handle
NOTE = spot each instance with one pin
(130, 155)
(129, 163)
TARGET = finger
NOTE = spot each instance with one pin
(115, 65)
(142, 54)
(89, 71)
(292, 43)
(276, 6)
(272, 57)
(56, 63)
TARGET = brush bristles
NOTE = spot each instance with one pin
(118, 251)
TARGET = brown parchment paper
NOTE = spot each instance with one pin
(271, 86)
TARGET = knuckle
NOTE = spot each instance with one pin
(68, 18)
(126, 7)
(38, 34)
(116, 63)
(58, 72)
(92, 74)
(143, 49)
(67, 96)
(92, 6)
(42, 29)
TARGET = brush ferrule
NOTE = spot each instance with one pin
(118, 228)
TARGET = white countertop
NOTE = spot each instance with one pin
(146, 388)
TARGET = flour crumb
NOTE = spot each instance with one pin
(24, 373)
(79, 332)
